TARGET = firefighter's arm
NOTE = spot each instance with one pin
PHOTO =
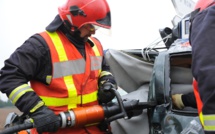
(23, 65)
(44, 119)
(105, 83)
(184, 100)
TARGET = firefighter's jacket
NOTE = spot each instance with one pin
(203, 65)
(50, 69)
(74, 81)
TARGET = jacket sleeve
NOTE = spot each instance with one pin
(24, 64)
(189, 100)
(203, 61)
(106, 74)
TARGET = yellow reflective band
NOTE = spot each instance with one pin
(87, 98)
(31, 120)
(209, 128)
(16, 89)
(52, 101)
(48, 79)
(20, 95)
(63, 57)
(95, 49)
(39, 104)
(58, 46)
(209, 117)
(104, 73)
(209, 122)
(201, 118)
(70, 86)
(18, 92)
(72, 93)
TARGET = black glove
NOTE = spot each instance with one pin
(104, 93)
(45, 120)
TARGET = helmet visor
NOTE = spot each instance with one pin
(105, 22)
(103, 30)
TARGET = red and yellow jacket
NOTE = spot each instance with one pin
(74, 80)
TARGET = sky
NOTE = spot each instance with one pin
(135, 23)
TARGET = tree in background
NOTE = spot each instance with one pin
(7, 103)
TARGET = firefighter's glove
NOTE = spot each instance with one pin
(45, 120)
(104, 93)
(177, 101)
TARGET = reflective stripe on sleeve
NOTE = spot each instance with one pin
(103, 73)
(39, 104)
(19, 91)
(209, 122)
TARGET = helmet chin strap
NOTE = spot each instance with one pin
(71, 30)
(69, 26)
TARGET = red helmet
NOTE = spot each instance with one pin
(76, 13)
(202, 4)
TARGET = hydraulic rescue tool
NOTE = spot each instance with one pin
(85, 116)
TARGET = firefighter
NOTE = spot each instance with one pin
(61, 68)
(203, 63)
